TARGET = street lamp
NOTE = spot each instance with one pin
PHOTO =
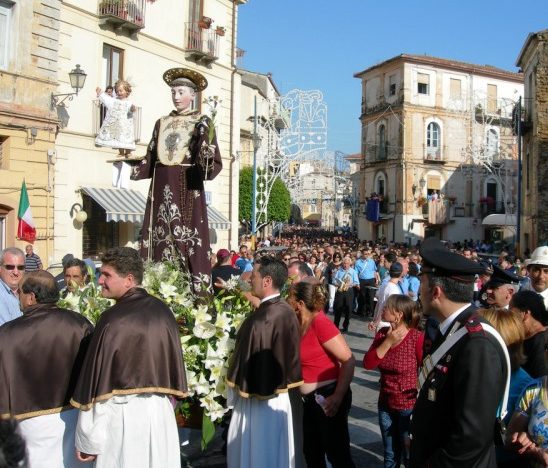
(422, 184)
(256, 139)
(77, 79)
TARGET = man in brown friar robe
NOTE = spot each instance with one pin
(266, 425)
(132, 369)
(182, 153)
(41, 354)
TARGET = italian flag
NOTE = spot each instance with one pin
(26, 230)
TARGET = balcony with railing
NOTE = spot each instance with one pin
(493, 111)
(488, 206)
(434, 154)
(125, 14)
(99, 113)
(380, 153)
(201, 44)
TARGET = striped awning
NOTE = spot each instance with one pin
(129, 205)
(119, 204)
(216, 220)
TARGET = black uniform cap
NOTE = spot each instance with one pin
(440, 261)
(500, 277)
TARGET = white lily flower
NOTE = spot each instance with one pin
(204, 330)
(202, 386)
(168, 290)
(185, 339)
(72, 301)
(216, 372)
(223, 322)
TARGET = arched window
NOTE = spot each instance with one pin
(433, 141)
(492, 143)
(381, 148)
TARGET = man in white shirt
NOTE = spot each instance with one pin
(392, 286)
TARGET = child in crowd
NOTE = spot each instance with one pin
(397, 352)
(117, 129)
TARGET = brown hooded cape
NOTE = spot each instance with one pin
(41, 354)
(135, 349)
(266, 358)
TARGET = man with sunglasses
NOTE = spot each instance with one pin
(12, 268)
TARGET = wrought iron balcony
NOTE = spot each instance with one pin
(379, 153)
(127, 14)
(434, 155)
(201, 45)
(492, 208)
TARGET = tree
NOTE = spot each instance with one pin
(279, 202)
(246, 194)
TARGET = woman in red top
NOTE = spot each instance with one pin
(328, 367)
(397, 352)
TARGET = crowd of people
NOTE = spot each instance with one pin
(459, 341)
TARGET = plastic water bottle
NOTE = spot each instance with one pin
(320, 399)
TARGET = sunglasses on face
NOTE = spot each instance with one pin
(13, 267)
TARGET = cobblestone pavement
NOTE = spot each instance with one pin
(363, 424)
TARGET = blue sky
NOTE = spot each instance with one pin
(320, 44)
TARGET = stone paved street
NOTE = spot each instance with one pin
(363, 424)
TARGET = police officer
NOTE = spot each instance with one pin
(462, 379)
(500, 288)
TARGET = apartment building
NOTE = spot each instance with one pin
(533, 60)
(439, 154)
(138, 40)
(28, 71)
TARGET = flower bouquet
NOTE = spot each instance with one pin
(208, 327)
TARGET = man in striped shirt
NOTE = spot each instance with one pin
(32, 261)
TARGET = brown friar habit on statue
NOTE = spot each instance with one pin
(41, 354)
(175, 226)
(135, 349)
(266, 358)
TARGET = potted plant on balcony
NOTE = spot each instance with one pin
(421, 201)
(220, 31)
(205, 22)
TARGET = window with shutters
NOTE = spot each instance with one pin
(392, 85)
(433, 141)
(423, 83)
(455, 88)
(5, 27)
(492, 143)
(381, 147)
(4, 152)
(491, 99)
(113, 65)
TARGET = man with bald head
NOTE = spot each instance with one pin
(12, 268)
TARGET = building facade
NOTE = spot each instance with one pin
(438, 150)
(28, 70)
(533, 60)
(138, 41)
